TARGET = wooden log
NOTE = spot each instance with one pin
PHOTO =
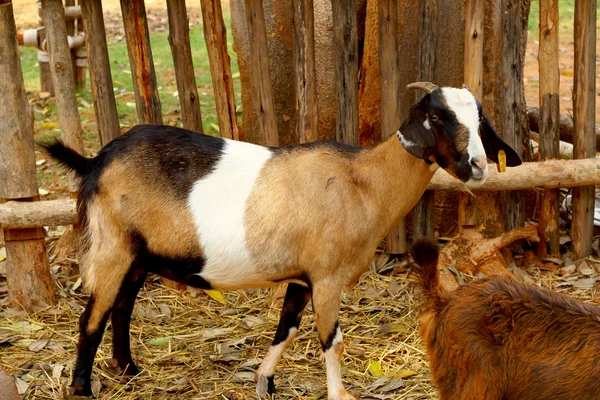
(218, 56)
(179, 40)
(18, 215)
(423, 219)
(27, 272)
(549, 174)
(584, 107)
(307, 120)
(468, 208)
(140, 58)
(550, 113)
(565, 126)
(389, 65)
(345, 44)
(72, 12)
(61, 67)
(262, 91)
(105, 106)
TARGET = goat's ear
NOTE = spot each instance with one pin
(493, 143)
(416, 134)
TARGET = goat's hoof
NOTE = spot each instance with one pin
(342, 395)
(114, 367)
(265, 385)
(76, 391)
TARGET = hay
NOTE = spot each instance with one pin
(189, 346)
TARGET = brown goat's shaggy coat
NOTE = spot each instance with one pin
(499, 339)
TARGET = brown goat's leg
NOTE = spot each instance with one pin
(326, 304)
(296, 298)
(121, 320)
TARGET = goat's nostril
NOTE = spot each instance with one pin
(479, 163)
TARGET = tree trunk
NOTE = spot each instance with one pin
(584, 107)
(220, 69)
(105, 106)
(140, 58)
(550, 112)
(179, 40)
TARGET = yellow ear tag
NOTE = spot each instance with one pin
(501, 161)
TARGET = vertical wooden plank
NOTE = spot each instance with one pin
(216, 43)
(179, 40)
(473, 77)
(61, 68)
(423, 219)
(45, 78)
(262, 92)
(105, 106)
(140, 58)
(390, 114)
(307, 120)
(345, 44)
(80, 55)
(584, 106)
(27, 272)
(549, 123)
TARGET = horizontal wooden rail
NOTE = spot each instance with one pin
(543, 175)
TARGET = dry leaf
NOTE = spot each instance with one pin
(375, 368)
(216, 295)
(38, 345)
(160, 341)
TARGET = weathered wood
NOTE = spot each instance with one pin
(345, 44)
(61, 68)
(549, 174)
(584, 107)
(307, 120)
(70, 24)
(216, 44)
(17, 214)
(80, 53)
(423, 219)
(105, 106)
(262, 91)
(565, 126)
(513, 106)
(140, 59)
(550, 113)
(45, 77)
(27, 272)
(468, 207)
(389, 65)
(179, 40)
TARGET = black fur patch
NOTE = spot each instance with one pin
(183, 270)
(271, 385)
(296, 298)
(346, 150)
(329, 342)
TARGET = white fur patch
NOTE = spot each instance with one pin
(267, 367)
(407, 144)
(335, 385)
(218, 202)
(426, 124)
(464, 106)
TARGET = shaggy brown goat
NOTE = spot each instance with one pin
(499, 339)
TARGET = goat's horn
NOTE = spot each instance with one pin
(426, 86)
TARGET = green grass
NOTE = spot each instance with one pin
(46, 119)
(566, 13)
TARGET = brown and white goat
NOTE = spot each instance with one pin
(499, 339)
(216, 213)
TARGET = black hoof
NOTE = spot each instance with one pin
(271, 388)
(116, 367)
(80, 388)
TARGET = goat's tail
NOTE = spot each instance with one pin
(67, 157)
(425, 253)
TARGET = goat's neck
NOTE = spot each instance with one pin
(392, 180)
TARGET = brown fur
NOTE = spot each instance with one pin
(499, 339)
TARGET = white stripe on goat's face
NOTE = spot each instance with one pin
(464, 106)
(218, 202)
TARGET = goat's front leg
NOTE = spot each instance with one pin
(296, 298)
(326, 304)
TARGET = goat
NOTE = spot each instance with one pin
(500, 339)
(216, 213)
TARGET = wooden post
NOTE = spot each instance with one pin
(105, 106)
(584, 106)
(307, 120)
(179, 39)
(27, 271)
(140, 58)
(473, 76)
(80, 55)
(423, 219)
(262, 92)
(61, 67)
(390, 113)
(345, 44)
(549, 123)
(70, 24)
(45, 77)
(216, 44)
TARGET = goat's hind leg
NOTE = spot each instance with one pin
(296, 298)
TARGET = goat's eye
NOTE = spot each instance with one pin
(434, 118)
(481, 118)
